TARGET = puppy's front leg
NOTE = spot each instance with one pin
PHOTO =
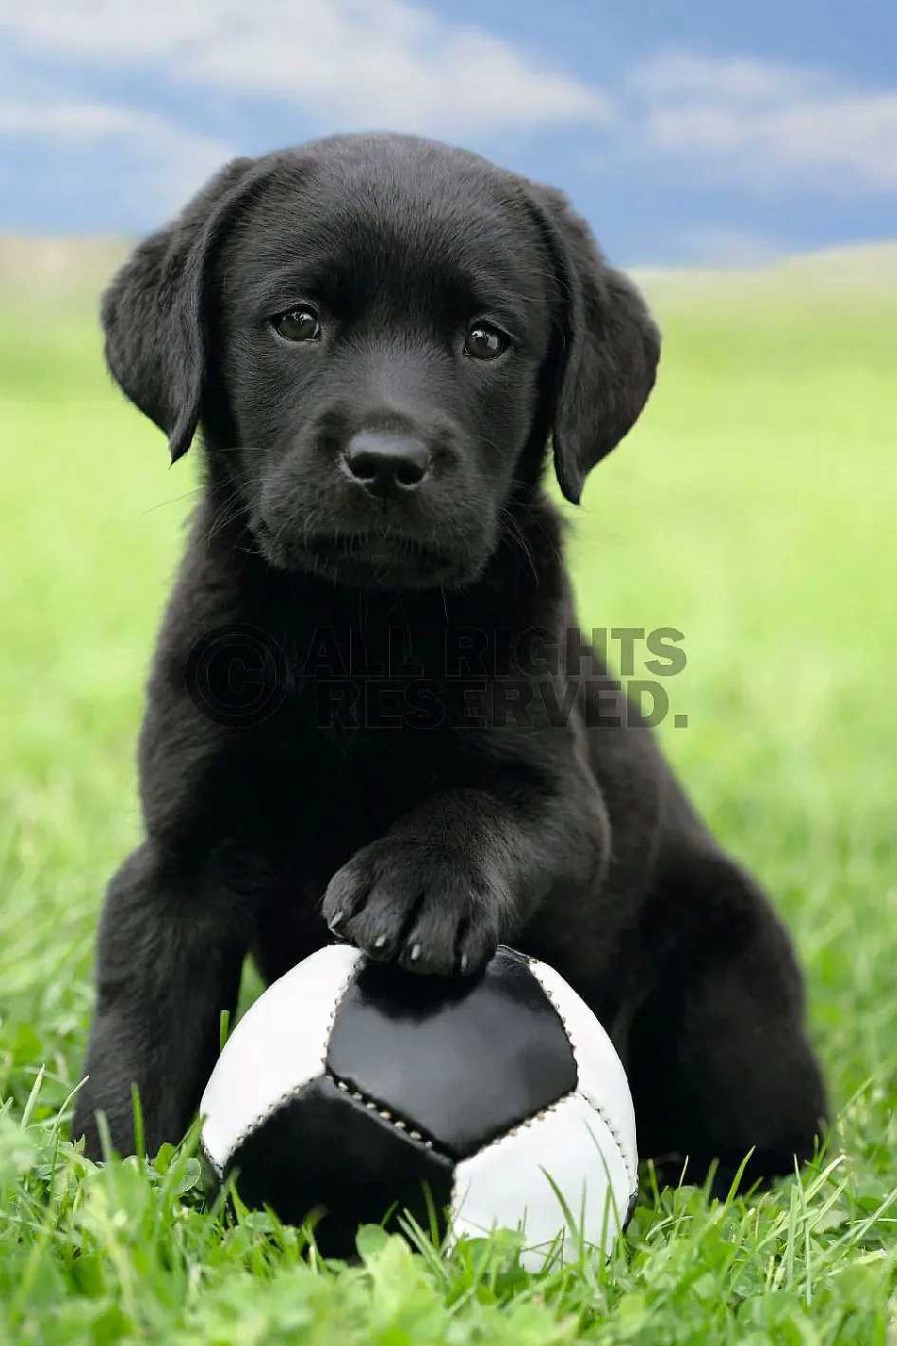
(169, 961)
(468, 869)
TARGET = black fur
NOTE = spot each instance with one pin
(429, 830)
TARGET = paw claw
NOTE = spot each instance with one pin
(432, 913)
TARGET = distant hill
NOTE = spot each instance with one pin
(75, 269)
(64, 267)
(865, 271)
(863, 262)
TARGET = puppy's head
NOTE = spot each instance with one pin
(379, 335)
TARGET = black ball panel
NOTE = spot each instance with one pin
(462, 1060)
(326, 1150)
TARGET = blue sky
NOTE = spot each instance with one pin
(703, 133)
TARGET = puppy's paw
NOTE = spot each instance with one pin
(432, 910)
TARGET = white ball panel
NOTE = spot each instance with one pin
(602, 1078)
(507, 1184)
(279, 1045)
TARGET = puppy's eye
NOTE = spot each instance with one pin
(298, 324)
(484, 342)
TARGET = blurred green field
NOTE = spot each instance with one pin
(753, 509)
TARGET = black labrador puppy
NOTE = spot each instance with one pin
(371, 712)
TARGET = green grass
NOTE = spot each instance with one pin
(752, 509)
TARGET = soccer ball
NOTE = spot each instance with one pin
(357, 1091)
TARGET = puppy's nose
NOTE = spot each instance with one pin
(387, 464)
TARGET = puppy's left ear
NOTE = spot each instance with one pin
(610, 346)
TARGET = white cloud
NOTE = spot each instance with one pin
(345, 62)
(159, 162)
(391, 63)
(69, 121)
(762, 122)
(683, 74)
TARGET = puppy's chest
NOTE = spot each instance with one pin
(359, 692)
(362, 729)
(324, 791)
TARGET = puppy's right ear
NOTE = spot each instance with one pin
(153, 316)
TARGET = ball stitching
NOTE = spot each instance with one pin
(287, 1096)
(457, 1202)
(401, 1124)
(505, 1135)
(608, 1121)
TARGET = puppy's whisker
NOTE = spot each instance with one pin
(519, 539)
(536, 518)
(229, 512)
(240, 448)
(174, 500)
